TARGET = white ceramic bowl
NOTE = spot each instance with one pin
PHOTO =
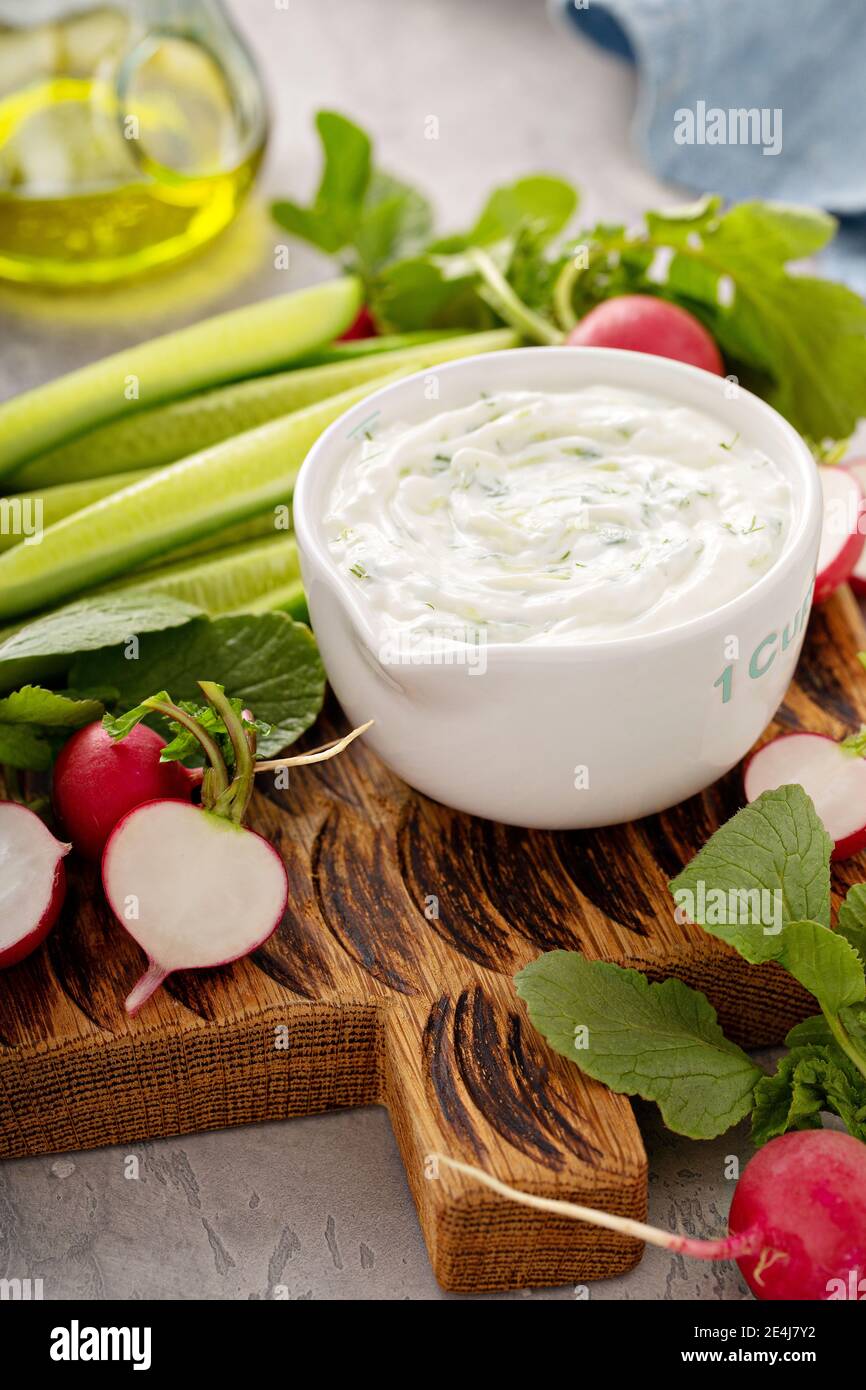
(569, 736)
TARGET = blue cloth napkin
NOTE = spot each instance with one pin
(802, 62)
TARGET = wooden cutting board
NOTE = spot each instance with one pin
(389, 982)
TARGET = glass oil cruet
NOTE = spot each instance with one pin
(130, 132)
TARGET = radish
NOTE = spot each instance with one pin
(32, 882)
(193, 888)
(192, 885)
(833, 775)
(797, 1224)
(841, 537)
(857, 577)
(643, 323)
(97, 780)
(362, 326)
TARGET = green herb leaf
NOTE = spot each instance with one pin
(33, 705)
(31, 719)
(545, 202)
(824, 963)
(266, 661)
(776, 845)
(331, 221)
(812, 1030)
(799, 340)
(368, 215)
(852, 919)
(184, 746)
(807, 1081)
(853, 1020)
(24, 747)
(117, 726)
(658, 1041)
(47, 646)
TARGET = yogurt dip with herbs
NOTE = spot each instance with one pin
(553, 517)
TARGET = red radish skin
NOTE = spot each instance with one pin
(193, 889)
(32, 882)
(362, 327)
(857, 578)
(797, 1226)
(98, 779)
(806, 1192)
(832, 776)
(841, 537)
(642, 323)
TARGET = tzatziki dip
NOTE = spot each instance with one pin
(555, 517)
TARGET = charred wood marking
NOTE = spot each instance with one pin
(356, 901)
(510, 1084)
(442, 1075)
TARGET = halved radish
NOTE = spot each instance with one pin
(841, 538)
(834, 777)
(32, 882)
(857, 578)
(191, 884)
(193, 888)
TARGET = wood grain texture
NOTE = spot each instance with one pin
(389, 982)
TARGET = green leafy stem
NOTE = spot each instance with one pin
(761, 884)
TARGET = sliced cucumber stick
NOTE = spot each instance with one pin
(256, 338)
(231, 581)
(55, 503)
(173, 506)
(169, 432)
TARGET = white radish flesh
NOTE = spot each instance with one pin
(193, 888)
(32, 882)
(841, 539)
(857, 468)
(833, 777)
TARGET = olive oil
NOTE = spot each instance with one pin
(120, 149)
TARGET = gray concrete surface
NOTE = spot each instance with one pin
(319, 1208)
(306, 1209)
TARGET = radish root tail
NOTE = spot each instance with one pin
(316, 755)
(729, 1248)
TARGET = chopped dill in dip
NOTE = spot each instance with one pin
(552, 517)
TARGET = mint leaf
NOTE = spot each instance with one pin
(46, 646)
(659, 1041)
(543, 200)
(31, 718)
(852, 919)
(331, 221)
(358, 210)
(396, 221)
(775, 850)
(266, 661)
(807, 1082)
(824, 963)
(347, 152)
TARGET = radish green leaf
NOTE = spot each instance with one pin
(768, 865)
(267, 661)
(658, 1041)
